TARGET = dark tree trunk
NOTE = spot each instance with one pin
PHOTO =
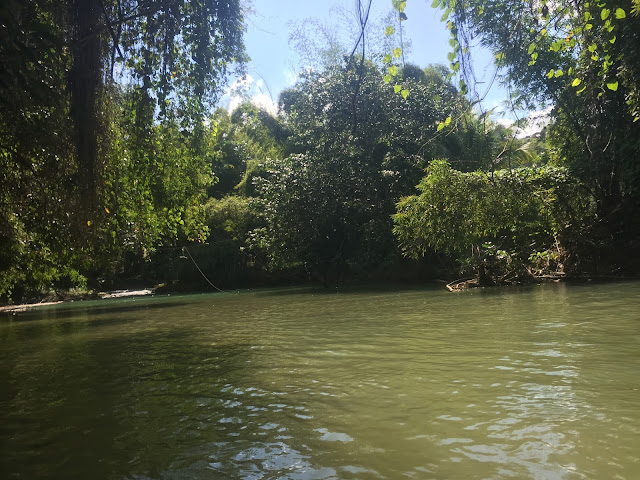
(85, 80)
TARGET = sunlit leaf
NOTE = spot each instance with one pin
(613, 86)
(604, 13)
(620, 13)
(576, 82)
(405, 93)
(397, 52)
(397, 88)
(387, 78)
(389, 31)
(393, 70)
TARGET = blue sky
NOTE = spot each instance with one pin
(274, 63)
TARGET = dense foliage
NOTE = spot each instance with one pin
(505, 225)
(101, 140)
(357, 148)
(584, 59)
(115, 166)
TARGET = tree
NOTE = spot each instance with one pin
(327, 206)
(497, 225)
(64, 149)
(584, 58)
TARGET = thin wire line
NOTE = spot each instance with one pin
(201, 272)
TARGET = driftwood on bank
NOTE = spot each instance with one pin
(474, 282)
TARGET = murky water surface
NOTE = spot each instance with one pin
(535, 383)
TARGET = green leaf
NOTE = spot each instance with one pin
(440, 126)
(620, 13)
(532, 47)
(588, 26)
(387, 58)
(550, 73)
(576, 82)
(613, 39)
(389, 31)
(387, 78)
(393, 70)
(397, 52)
(399, 5)
(397, 88)
(405, 93)
(581, 90)
(447, 121)
(435, 4)
(451, 56)
(604, 13)
(613, 86)
(558, 73)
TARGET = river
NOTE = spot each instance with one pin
(541, 382)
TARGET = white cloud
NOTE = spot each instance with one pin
(248, 89)
(291, 77)
(536, 121)
(505, 122)
(265, 102)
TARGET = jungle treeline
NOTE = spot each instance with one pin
(119, 169)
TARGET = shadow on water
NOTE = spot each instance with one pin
(99, 406)
(351, 288)
(96, 307)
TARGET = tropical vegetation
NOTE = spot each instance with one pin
(119, 167)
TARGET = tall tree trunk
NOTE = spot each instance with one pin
(85, 79)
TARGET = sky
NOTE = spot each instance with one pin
(275, 63)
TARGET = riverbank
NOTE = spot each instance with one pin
(76, 296)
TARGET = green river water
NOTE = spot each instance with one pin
(534, 383)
